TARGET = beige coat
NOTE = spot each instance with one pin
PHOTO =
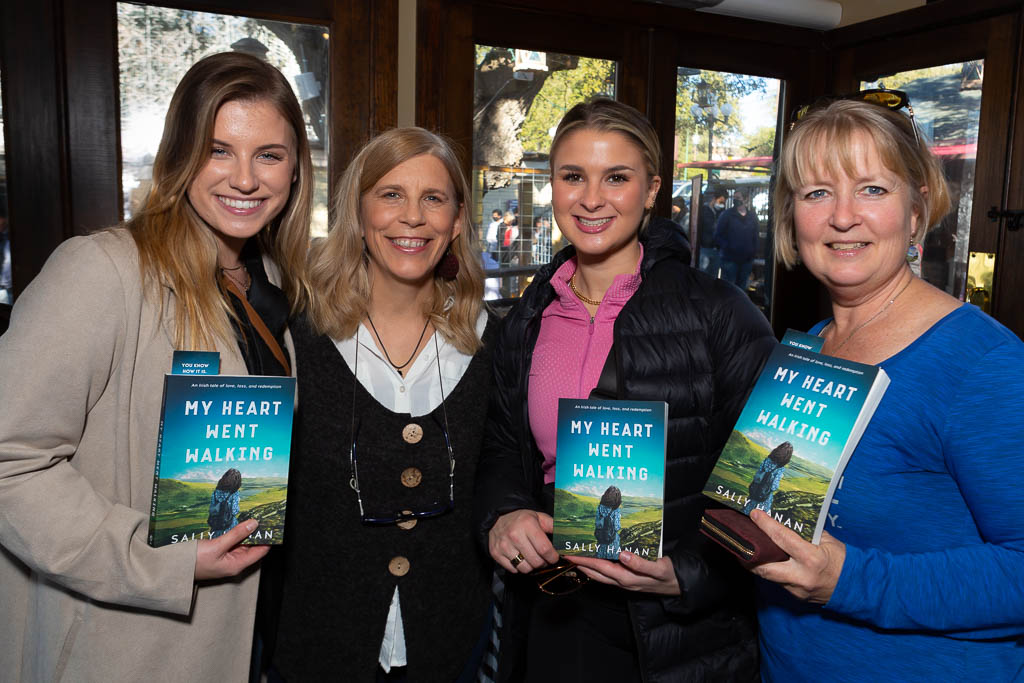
(83, 596)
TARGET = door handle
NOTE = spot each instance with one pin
(1014, 217)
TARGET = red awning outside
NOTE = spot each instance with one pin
(957, 151)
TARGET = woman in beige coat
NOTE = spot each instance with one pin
(83, 596)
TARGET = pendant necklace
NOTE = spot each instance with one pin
(864, 324)
(383, 348)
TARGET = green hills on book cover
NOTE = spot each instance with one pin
(222, 457)
(790, 445)
(609, 477)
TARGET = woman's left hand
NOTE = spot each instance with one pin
(632, 573)
(812, 571)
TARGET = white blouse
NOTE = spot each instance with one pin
(418, 393)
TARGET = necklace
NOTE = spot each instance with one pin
(383, 348)
(864, 324)
(242, 284)
(579, 295)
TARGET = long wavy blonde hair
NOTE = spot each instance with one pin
(177, 249)
(338, 270)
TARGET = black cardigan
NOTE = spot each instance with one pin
(338, 584)
(697, 343)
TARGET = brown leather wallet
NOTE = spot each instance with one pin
(738, 534)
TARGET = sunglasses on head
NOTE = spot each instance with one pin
(890, 99)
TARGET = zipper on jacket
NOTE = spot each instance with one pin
(586, 353)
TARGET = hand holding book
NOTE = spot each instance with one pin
(812, 571)
(224, 556)
(631, 573)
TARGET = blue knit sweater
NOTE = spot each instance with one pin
(931, 511)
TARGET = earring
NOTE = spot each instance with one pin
(448, 266)
(913, 253)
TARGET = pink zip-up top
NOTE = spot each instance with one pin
(570, 352)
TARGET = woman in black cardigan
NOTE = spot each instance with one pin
(382, 578)
(681, 337)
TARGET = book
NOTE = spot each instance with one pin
(222, 457)
(609, 477)
(801, 422)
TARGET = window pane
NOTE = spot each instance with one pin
(519, 97)
(726, 128)
(947, 104)
(157, 45)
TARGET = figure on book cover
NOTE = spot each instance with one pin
(767, 478)
(224, 503)
(608, 523)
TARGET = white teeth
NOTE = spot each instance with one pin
(240, 203)
(592, 222)
(839, 246)
(408, 242)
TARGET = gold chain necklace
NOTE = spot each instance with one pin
(579, 295)
(864, 324)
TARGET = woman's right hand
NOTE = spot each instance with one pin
(222, 557)
(522, 532)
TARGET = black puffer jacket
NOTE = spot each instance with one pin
(697, 343)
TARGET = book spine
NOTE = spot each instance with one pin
(156, 468)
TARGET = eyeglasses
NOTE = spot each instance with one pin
(890, 99)
(561, 578)
(438, 508)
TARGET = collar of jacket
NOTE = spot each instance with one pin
(662, 239)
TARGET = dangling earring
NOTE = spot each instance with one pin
(448, 266)
(912, 251)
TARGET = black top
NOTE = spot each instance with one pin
(697, 343)
(271, 304)
(340, 574)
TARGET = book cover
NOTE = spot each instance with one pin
(222, 457)
(609, 477)
(799, 426)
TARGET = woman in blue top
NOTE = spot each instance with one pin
(920, 572)
(767, 478)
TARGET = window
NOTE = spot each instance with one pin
(519, 97)
(726, 127)
(157, 45)
(947, 106)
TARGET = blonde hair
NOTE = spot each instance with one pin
(177, 249)
(338, 268)
(606, 115)
(821, 142)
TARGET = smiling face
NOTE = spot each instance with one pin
(408, 218)
(248, 177)
(600, 187)
(852, 229)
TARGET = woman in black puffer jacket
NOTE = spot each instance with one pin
(681, 337)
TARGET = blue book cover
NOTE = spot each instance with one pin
(222, 457)
(799, 426)
(609, 477)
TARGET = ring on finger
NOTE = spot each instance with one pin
(516, 560)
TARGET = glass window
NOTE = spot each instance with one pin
(157, 45)
(947, 105)
(518, 99)
(6, 288)
(726, 126)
